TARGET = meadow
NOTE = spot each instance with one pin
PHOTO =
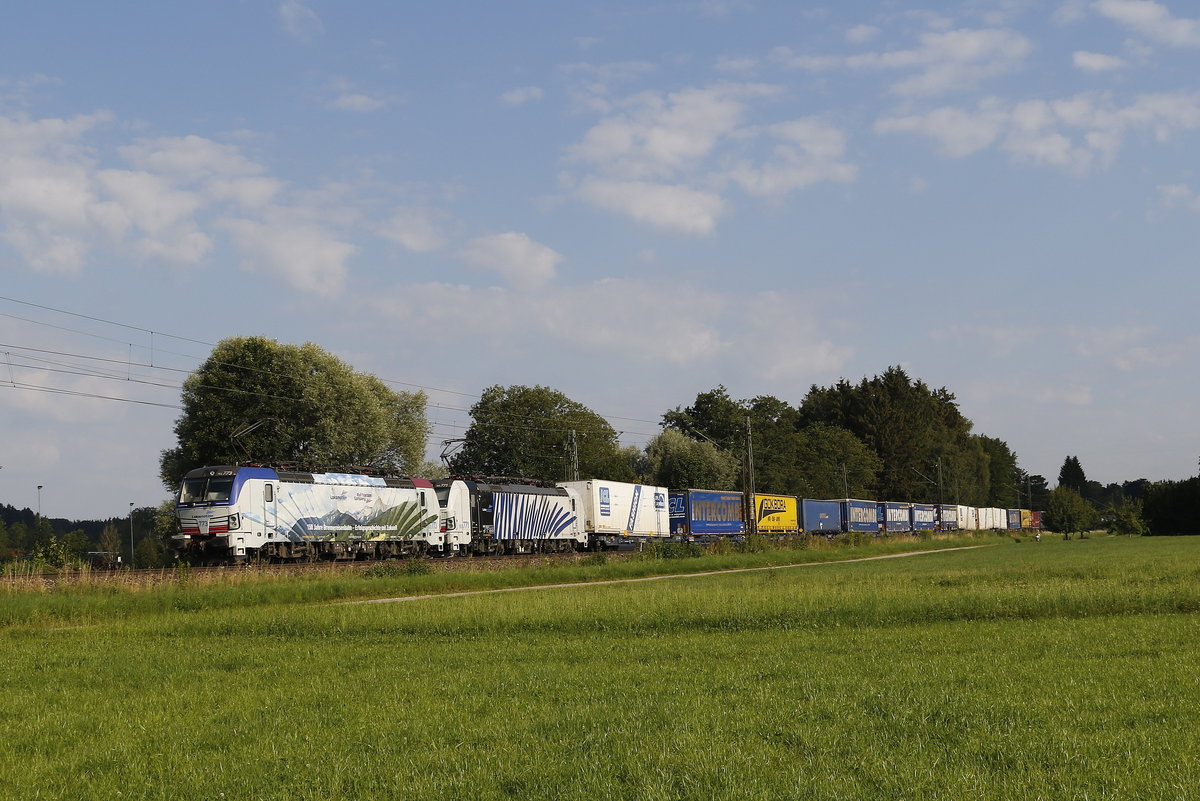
(1022, 670)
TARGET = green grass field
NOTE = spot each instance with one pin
(1033, 670)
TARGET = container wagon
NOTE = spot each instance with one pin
(894, 517)
(859, 516)
(776, 515)
(924, 517)
(947, 517)
(822, 517)
(706, 514)
(1012, 519)
(968, 518)
(613, 512)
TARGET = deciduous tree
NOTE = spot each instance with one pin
(313, 409)
(534, 432)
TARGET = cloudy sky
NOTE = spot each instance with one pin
(630, 202)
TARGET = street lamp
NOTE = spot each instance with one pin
(131, 534)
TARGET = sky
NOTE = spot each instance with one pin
(631, 203)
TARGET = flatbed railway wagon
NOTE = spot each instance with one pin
(234, 513)
(614, 513)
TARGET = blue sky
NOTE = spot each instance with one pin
(629, 202)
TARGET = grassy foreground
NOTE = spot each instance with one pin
(1048, 670)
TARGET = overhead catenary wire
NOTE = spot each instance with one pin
(496, 419)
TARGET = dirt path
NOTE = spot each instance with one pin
(656, 578)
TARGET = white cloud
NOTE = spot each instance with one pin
(629, 316)
(521, 95)
(1078, 133)
(306, 255)
(957, 59)
(808, 151)
(519, 259)
(414, 228)
(189, 158)
(300, 21)
(1153, 20)
(657, 135)
(590, 85)
(1070, 11)
(1097, 62)
(164, 215)
(670, 207)
(784, 57)
(357, 101)
(735, 65)
(1073, 395)
(861, 33)
(1177, 195)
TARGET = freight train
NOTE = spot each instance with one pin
(237, 513)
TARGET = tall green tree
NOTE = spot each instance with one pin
(535, 432)
(1071, 475)
(1067, 512)
(310, 407)
(1004, 477)
(1126, 519)
(815, 460)
(913, 429)
(678, 461)
(1173, 507)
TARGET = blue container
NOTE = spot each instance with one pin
(706, 513)
(1014, 519)
(894, 516)
(859, 516)
(924, 517)
(947, 517)
(821, 516)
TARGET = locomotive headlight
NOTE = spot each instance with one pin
(234, 522)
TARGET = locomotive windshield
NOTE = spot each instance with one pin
(206, 488)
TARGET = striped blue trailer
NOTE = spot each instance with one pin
(924, 516)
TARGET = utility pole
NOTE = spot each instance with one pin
(573, 456)
(131, 535)
(752, 521)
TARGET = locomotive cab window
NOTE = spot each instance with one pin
(192, 490)
(219, 488)
(269, 493)
(204, 489)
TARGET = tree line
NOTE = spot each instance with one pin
(887, 437)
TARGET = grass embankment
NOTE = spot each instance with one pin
(1051, 670)
(85, 597)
